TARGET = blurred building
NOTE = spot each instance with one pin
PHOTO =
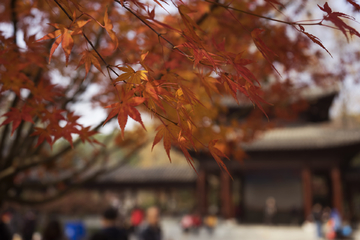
(303, 162)
(312, 160)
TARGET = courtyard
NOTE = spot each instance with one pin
(228, 230)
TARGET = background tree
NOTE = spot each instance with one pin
(177, 67)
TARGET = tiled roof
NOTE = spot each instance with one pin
(308, 93)
(156, 174)
(311, 136)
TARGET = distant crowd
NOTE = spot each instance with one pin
(143, 226)
(328, 223)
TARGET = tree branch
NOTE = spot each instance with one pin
(14, 18)
(35, 160)
(74, 186)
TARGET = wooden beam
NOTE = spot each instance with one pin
(307, 191)
(337, 190)
(201, 186)
(227, 209)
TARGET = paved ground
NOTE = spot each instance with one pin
(231, 231)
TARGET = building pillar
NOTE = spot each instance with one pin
(307, 191)
(226, 195)
(337, 197)
(349, 213)
(201, 186)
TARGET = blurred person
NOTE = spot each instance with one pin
(196, 219)
(29, 225)
(346, 230)
(5, 232)
(326, 214)
(17, 236)
(210, 222)
(186, 223)
(151, 230)
(270, 210)
(53, 231)
(136, 218)
(334, 225)
(110, 231)
(317, 216)
(325, 219)
(75, 230)
(191, 222)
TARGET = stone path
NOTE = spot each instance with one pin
(232, 231)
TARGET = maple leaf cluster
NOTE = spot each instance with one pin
(177, 68)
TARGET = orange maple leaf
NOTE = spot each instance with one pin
(125, 108)
(183, 145)
(168, 133)
(64, 36)
(217, 154)
(89, 58)
(131, 77)
(108, 27)
(153, 93)
(209, 83)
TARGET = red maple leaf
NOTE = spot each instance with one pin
(85, 135)
(314, 39)
(16, 116)
(43, 134)
(108, 27)
(66, 132)
(46, 91)
(125, 108)
(267, 53)
(334, 17)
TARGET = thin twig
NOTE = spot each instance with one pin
(125, 159)
(152, 29)
(88, 40)
(260, 16)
